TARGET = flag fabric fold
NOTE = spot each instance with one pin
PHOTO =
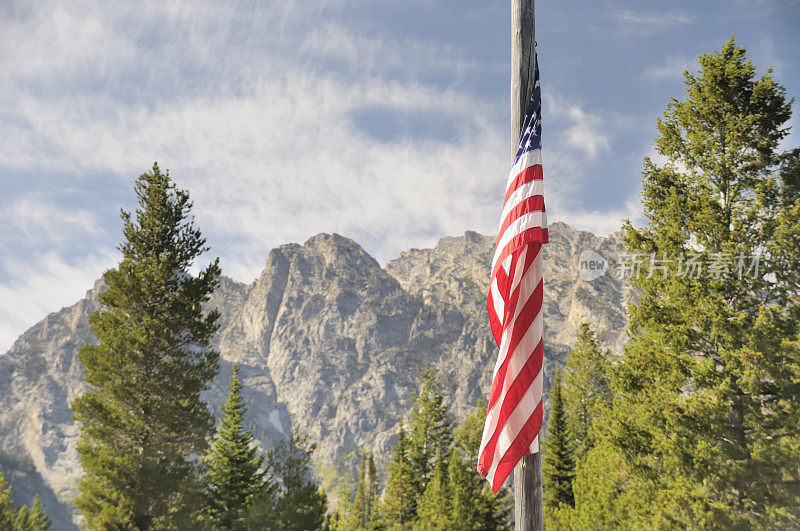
(514, 303)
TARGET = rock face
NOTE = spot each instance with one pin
(327, 341)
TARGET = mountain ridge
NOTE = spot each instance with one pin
(327, 340)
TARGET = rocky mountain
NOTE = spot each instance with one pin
(327, 341)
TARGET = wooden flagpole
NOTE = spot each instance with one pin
(528, 513)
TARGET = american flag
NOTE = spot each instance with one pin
(514, 412)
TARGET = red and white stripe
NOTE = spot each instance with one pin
(514, 411)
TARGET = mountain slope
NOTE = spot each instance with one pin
(327, 341)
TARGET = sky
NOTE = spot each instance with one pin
(383, 120)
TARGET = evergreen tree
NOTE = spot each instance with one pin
(233, 477)
(398, 506)
(343, 519)
(454, 496)
(360, 503)
(434, 507)
(292, 500)
(703, 427)
(115, 518)
(8, 515)
(463, 501)
(474, 505)
(360, 513)
(585, 389)
(354, 514)
(584, 395)
(373, 492)
(23, 519)
(37, 517)
(33, 518)
(142, 417)
(430, 430)
(603, 495)
(367, 492)
(558, 462)
(414, 460)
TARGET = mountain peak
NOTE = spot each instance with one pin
(337, 250)
(324, 239)
(327, 341)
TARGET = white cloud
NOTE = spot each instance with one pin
(585, 133)
(768, 57)
(35, 218)
(36, 278)
(268, 145)
(604, 222)
(281, 160)
(632, 23)
(286, 161)
(672, 68)
(379, 55)
(32, 288)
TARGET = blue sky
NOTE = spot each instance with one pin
(383, 120)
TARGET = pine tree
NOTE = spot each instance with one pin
(367, 492)
(233, 477)
(24, 518)
(584, 395)
(343, 519)
(398, 506)
(360, 513)
(435, 510)
(430, 430)
(115, 518)
(707, 402)
(557, 453)
(463, 499)
(8, 515)
(21, 520)
(414, 459)
(293, 500)
(585, 389)
(474, 505)
(350, 514)
(454, 495)
(37, 517)
(142, 417)
(33, 518)
(360, 509)
(373, 492)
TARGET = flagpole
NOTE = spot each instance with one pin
(528, 515)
